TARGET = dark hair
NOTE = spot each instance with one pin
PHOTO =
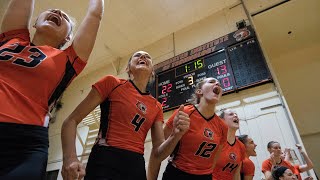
(222, 113)
(243, 138)
(278, 172)
(271, 143)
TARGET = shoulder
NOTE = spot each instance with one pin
(241, 145)
(222, 123)
(247, 161)
(189, 108)
(158, 104)
(112, 79)
(288, 164)
(266, 163)
(21, 34)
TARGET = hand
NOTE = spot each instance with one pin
(181, 122)
(308, 178)
(72, 169)
(287, 150)
(299, 147)
(273, 160)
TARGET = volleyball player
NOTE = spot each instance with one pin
(195, 155)
(233, 152)
(128, 111)
(33, 75)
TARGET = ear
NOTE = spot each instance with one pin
(199, 91)
(67, 39)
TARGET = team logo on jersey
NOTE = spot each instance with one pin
(233, 156)
(142, 107)
(241, 34)
(208, 133)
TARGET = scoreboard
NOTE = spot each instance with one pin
(237, 65)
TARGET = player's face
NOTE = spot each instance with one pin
(211, 90)
(231, 119)
(140, 61)
(288, 175)
(251, 147)
(54, 22)
(276, 149)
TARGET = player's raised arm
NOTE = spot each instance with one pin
(86, 35)
(17, 15)
(72, 168)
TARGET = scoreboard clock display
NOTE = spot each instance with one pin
(237, 65)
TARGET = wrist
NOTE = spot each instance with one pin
(176, 135)
(68, 158)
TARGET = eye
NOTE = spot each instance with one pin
(137, 55)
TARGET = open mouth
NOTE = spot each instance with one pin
(55, 19)
(216, 90)
(236, 121)
(142, 62)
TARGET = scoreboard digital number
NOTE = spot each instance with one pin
(236, 60)
(176, 86)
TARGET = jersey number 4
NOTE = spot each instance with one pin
(12, 53)
(137, 121)
(205, 149)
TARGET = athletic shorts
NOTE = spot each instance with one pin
(23, 152)
(110, 163)
(173, 173)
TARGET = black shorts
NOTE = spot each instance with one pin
(23, 152)
(173, 173)
(110, 163)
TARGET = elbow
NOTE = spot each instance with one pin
(97, 15)
(157, 155)
(309, 166)
(68, 123)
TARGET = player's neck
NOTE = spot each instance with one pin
(140, 84)
(40, 40)
(278, 160)
(231, 137)
(205, 109)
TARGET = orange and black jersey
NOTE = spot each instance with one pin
(32, 77)
(267, 165)
(197, 148)
(247, 168)
(127, 114)
(230, 159)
